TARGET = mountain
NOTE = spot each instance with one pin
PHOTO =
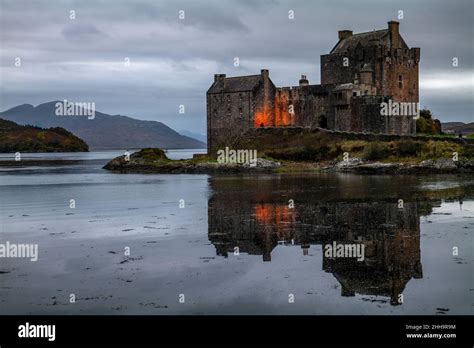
(458, 127)
(16, 138)
(198, 136)
(103, 131)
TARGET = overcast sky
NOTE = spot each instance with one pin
(173, 60)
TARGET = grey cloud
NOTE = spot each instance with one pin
(83, 32)
(175, 60)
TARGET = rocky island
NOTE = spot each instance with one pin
(346, 156)
(154, 160)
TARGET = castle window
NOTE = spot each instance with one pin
(354, 94)
(240, 111)
(400, 81)
(240, 97)
(228, 97)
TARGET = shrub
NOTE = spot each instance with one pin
(408, 148)
(438, 149)
(376, 151)
(307, 153)
(352, 146)
(426, 124)
(151, 154)
(468, 152)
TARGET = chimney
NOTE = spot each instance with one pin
(219, 77)
(304, 81)
(265, 74)
(344, 34)
(393, 28)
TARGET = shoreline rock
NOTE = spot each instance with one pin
(440, 166)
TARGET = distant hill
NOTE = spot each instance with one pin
(16, 138)
(103, 131)
(458, 127)
(198, 136)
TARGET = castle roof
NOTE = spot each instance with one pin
(365, 39)
(236, 84)
(313, 89)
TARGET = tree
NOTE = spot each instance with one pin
(426, 124)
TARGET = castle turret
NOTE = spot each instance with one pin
(304, 81)
(366, 75)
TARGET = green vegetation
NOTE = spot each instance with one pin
(376, 151)
(408, 148)
(438, 149)
(385, 151)
(443, 135)
(157, 157)
(151, 154)
(426, 124)
(315, 152)
(320, 147)
(404, 150)
(16, 138)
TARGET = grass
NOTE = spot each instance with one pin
(309, 152)
(404, 151)
(444, 135)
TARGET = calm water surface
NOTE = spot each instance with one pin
(232, 244)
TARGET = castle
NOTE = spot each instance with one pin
(361, 72)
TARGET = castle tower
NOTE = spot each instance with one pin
(366, 75)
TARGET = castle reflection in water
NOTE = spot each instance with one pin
(256, 219)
